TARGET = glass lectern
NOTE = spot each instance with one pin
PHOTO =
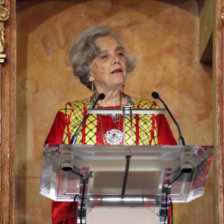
(131, 176)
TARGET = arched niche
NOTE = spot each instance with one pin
(45, 33)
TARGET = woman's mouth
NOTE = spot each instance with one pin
(117, 70)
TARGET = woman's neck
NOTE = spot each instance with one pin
(112, 98)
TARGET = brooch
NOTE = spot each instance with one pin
(114, 137)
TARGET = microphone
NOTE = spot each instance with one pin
(155, 95)
(101, 96)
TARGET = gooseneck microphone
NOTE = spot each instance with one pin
(101, 96)
(155, 95)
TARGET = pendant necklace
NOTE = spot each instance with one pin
(113, 136)
(115, 117)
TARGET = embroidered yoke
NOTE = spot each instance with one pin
(144, 128)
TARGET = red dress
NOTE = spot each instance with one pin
(159, 133)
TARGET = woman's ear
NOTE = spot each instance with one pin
(91, 78)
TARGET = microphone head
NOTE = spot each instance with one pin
(101, 96)
(155, 95)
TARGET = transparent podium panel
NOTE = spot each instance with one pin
(109, 180)
(122, 215)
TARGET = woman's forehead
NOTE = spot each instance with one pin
(108, 43)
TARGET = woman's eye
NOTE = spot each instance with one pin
(103, 56)
(121, 54)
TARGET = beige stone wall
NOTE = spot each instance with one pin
(163, 36)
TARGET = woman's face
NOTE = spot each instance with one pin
(108, 69)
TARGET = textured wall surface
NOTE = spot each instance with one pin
(164, 37)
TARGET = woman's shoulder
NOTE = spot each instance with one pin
(144, 103)
(74, 106)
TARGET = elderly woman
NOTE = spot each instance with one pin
(101, 62)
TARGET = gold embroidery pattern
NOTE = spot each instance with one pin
(74, 114)
(146, 122)
(91, 128)
(128, 127)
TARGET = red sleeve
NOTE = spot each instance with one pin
(55, 135)
(165, 136)
(61, 212)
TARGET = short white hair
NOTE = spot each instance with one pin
(84, 50)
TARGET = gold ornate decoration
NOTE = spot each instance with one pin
(2, 47)
(2, 42)
(222, 16)
(4, 14)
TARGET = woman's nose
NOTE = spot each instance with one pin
(115, 59)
